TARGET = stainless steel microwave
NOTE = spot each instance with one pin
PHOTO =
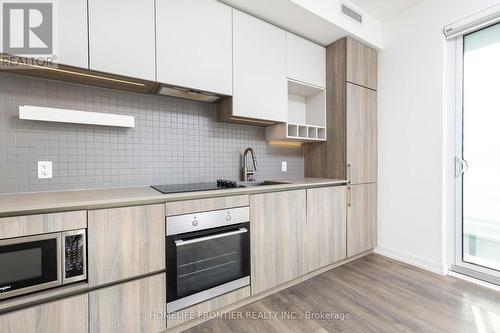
(34, 263)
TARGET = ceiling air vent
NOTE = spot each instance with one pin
(352, 14)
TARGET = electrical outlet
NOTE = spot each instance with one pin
(44, 169)
(283, 166)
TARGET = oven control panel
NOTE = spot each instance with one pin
(74, 256)
(180, 224)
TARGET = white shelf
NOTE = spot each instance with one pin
(306, 121)
(28, 112)
(295, 132)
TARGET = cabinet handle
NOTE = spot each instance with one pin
(348, 173)
(181, 242)
(349, 197)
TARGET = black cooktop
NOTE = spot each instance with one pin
(220, 184)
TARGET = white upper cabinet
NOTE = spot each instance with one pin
(72, 33)
(306, 61)
(194, 44)
(122, 37)
(70, 37)
(259, 69)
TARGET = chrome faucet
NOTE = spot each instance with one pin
(249, 174)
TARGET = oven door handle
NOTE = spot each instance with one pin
(181, 242)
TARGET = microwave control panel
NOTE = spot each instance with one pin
(74, 256)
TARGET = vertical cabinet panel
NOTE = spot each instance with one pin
(66, 315)
(125, 242)
(276, 219)
(259, 69)
(305, 61)
(362, 65)
(361, 134)
(361, 218)
(130, 307)
(324, 234)
(72, 33)
(194, 44)
(122, 37)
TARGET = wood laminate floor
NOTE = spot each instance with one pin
(378, 295)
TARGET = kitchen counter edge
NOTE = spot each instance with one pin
(52, 202)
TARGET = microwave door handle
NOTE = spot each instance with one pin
(181, 242)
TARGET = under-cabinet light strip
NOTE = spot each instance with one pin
(93, 76)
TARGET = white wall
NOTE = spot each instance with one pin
(414, 174)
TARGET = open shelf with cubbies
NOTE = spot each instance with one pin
(306, 115)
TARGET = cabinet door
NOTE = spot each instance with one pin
(70, 43)
(361, 218)
(305, 61)
(194, 44)
(65, 315)
(72, 33)
(361, 64)
(125, 243)
(122, 37)
(361, 134)
(275, 221)
(137, 306)
(324, 234)
(259, 69)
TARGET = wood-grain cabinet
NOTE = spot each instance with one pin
(361, 218)
(323, 236)
(351, 118)
(361, 64)
(276, 220)
(361, 134)
(259, 72)
(194, 44)
(61, 316)
(125, 243)
(122, 37)
(20, 226)
(137, 306)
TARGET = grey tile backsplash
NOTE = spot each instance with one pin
(174, 141)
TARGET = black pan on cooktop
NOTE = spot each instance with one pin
(220, 184)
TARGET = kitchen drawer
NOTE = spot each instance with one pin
(61, 316)
(136, 306)
(20, 226)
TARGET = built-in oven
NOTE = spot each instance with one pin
(34, 263)
(208, 254)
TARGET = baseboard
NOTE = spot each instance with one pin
(430, 266)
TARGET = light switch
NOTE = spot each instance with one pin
(44, 169)
(283, 166)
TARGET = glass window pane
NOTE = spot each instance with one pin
(20, 265)
(481, 148)
(210, 263)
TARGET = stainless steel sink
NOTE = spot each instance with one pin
(262, 183)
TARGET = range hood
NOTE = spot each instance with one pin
(194, 95)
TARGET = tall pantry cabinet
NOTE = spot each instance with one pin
(351, 150)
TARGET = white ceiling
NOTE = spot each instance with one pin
(292, 17)
(384, 9)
